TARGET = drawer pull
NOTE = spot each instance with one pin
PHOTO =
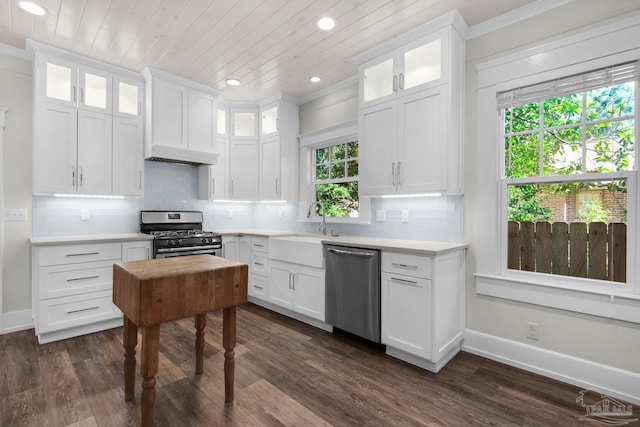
(258, 263)
(258, 287)
(83, 309)
(407, 266)
(405, 282)
(84, 254)
(258, 245)
(83, 278)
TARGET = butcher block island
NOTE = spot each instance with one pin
(154, 291)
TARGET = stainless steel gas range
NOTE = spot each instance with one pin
(179, 233)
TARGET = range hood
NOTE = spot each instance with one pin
(163, 153)
(180, 119)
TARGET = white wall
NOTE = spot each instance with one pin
(334, 108)
(609, 342)
(16, 95)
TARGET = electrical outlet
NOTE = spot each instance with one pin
(15, 215)
(533, 331)
(85, 214)
(405, 215)
(381, 215)
(230, 214)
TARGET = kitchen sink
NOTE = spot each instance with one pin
(305, 250)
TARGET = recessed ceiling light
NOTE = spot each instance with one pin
(326, 23)
(233, 82)
(314, 79)
(32, 8)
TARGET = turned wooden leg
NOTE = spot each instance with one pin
(130, 340)
(229, 342)
(149, 369)
(201, 323)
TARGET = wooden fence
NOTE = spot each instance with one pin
(595, 250)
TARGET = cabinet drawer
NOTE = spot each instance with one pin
(71, 254)
(260, 244)
(407, 264)
(70, 279)
(67, 312)
(259, 263)
(258, 286)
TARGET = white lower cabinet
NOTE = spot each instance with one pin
(258, 249)
(298, 288)
(230, 247)
(136, 250)
(72, 286)
(422, 310)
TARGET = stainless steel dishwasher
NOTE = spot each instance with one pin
(352, 290)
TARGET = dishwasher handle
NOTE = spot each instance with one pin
(348, 252)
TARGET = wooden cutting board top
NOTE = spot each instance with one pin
(176, 266)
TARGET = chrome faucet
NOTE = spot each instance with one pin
(323, 224)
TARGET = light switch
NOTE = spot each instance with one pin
(85, 214)
(381, 215)
(230, 214)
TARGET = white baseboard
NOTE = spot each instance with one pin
(16, 321)
(583, 373)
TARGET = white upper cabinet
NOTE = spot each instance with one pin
(88, 126)
(411, 113)
(72, 84)
(95, 90)
(127, 101)
(244, 123)
(223, 122)
(415, 66)
(181, 119)
(244, 154)
(56, 80)
(279, 124)
(202, 120)
(269, 121)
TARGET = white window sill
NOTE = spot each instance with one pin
(598, 302)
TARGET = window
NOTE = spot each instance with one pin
(335, 179)
(517, 80)
(569, 148)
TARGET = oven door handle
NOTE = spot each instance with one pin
(188, 249)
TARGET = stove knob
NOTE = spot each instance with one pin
(210, 240)
(204, 240)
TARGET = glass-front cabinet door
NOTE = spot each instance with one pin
(415, 67)
(57, 80)
(244, 123)
(95, 90)
(379, 80)
(223, 122)
(269, 121)
(421, 65)
(127, 97)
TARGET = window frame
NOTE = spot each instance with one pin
(342, 133)
(314, 179)
(572, 55)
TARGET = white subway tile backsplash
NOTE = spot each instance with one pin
(175, 187)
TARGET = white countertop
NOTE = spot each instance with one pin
(403, 245)
(94, 238)
(417, 246)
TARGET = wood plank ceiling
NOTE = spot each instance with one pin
(271, 46)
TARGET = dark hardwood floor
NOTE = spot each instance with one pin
(287, 373)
